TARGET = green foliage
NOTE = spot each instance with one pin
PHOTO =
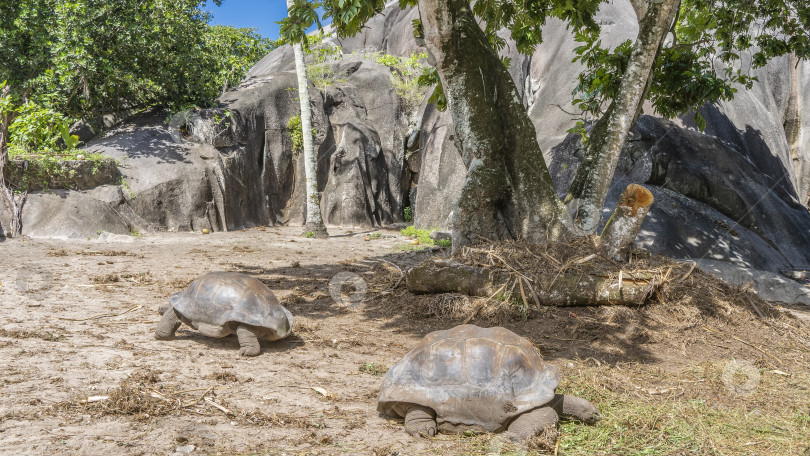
(703, 64)
(421, 235)
(406, 73)
(723, 29)
(93, 56)
(296, 134)
(309, 234)
(37, 128)
(227, 54)
(600, 82)
(446, 243)
(127, 189)
(322, 56)
(71, 141)
(430, 77)
(408, 214)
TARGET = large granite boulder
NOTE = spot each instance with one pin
(711, 202)
(359, 139)
(167, 183)
(66, 214)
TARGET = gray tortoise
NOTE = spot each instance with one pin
(478, 379)
(220, 303)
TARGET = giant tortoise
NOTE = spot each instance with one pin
(478, 379)
(220, 303)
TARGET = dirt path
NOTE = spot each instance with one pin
(78, 319)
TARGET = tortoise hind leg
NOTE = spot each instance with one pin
(168, 325)
(420, 420)
(248, 341)
(541, 422)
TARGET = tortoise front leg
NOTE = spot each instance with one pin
(168, 325)
(421, 421)
(569, 407)
(248, 341)
(533, 423)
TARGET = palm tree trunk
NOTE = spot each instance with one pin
(314, 220)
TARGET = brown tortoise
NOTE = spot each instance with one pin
(220, 303)
(478, 379)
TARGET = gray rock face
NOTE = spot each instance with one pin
(168, 184)
(442, 173)
(710, 203)
(364, 149)
(359, 143)
(390, 32)
(768, 285)
(65, 214)
(255, 169)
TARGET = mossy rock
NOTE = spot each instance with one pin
(36, 174)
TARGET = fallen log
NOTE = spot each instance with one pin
(437, 275)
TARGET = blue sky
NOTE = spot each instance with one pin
(258, 14)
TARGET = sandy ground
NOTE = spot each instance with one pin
(78, 319)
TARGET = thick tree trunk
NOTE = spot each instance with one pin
(314, 220)
(568, 289)
(589, 189)
(508, 193)
(624, 224)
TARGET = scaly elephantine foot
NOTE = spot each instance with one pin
(421, 421)
(573, 407)
(533, 423)
(248, 342)
(168, 325)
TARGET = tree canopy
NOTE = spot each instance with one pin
(82, 56)
(711, 49)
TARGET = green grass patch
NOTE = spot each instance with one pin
(648, 412)
(423, 236)
(375, 369)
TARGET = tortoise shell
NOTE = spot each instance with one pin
(472, 377)
(219, 298)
